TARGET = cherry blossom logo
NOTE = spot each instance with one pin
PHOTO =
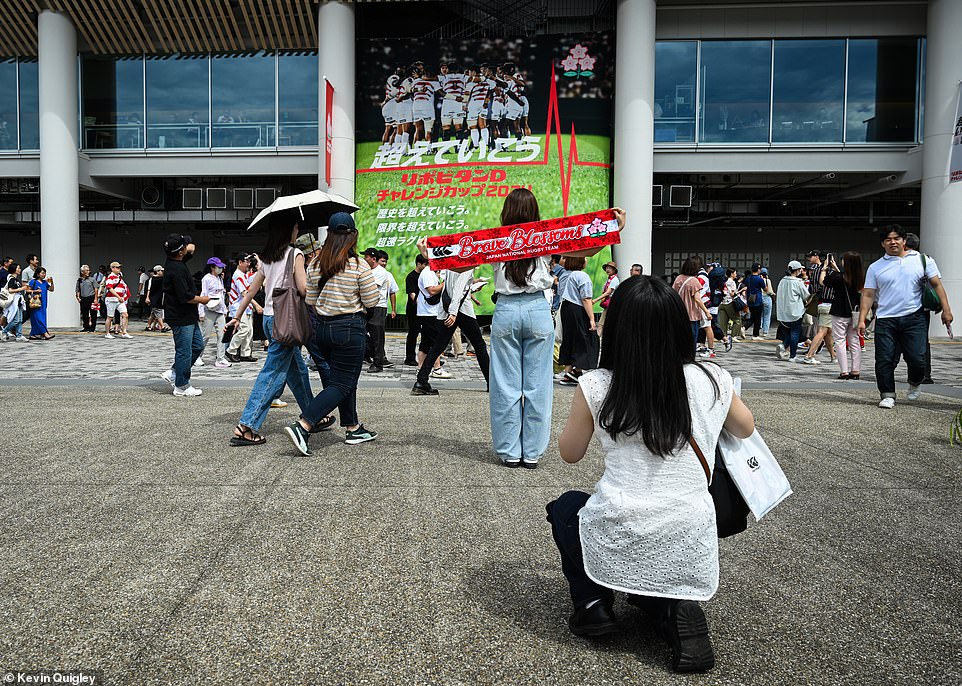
(578, 63)
(597, 228)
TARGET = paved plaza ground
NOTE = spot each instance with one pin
(136, 542)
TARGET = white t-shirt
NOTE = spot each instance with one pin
(539, 280)
(426, 280)
(386, 285)
(143, 280)
(273, 274)
(898, 282)
(650, 526)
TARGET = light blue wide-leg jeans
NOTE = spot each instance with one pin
(522, 348)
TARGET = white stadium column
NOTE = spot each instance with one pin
(59, 182)
(634, 129)
(335, 54)
(942, 201)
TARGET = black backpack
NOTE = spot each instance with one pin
(716, 282)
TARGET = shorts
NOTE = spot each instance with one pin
(824, 318)
(476, 109)
(114, 307)
(387, 111)
(452, 111)
(423, 111)
(497, 111)
(513, 110)
(404, 112)
(524, 108)
(704, 324)
(157, 312)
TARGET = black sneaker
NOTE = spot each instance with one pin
(529, 465)
(299, 438)
(423, 389)
(247, 358)
(374, 369)
(411, 363)
(359, 435)
(686, 631)
(231, 357)
(325, 424)
(387, 364)
(729, 343)
(511, 464)
(593, 621)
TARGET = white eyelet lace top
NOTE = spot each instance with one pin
(649, 528)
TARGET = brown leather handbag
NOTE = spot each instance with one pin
(292, 322)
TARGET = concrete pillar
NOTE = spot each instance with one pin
(634, 129)
(942, 201)
(335, 54)
(59, 181)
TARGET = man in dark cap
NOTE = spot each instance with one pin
(180, 308)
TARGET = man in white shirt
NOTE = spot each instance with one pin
(429, 287)
(377, 315)
(896, 281)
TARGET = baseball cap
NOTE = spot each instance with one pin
(176, 242)
(158, 268)
(115, 264)
(794, 264)
(764, 270)
(372, 252)
(306, 241)
(341, 221)
(216, 262)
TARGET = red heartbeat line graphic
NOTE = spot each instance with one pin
(552, 127)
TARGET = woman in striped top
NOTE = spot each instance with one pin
(341, 287)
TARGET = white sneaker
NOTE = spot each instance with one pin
(125, 335)
(108, 335)
(278, 404)
(810, 360)
(797, 358)
(3, 337)
(915, 392)
(222, 364)
(199, 362)
(23, 339)
(188, 392)
(707, 354)
(168, 376)
(559, 376)
(439, 373)
(887, 403)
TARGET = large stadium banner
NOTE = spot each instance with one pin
(446, 130)
(955, 168)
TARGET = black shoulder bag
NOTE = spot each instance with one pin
(731, 510)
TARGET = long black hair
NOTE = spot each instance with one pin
(520, 207)
(279, 235)
(647, 345)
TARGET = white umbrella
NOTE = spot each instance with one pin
(314, 208)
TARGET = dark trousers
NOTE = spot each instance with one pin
(789, 333)
(756, 313)
(376, 319)
(907, 334)
(411, 345)
(340, 341)
(429, 331)
(88, 317)
(469, 325)
(188, 346)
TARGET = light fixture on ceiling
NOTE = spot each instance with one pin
(784, 203)
(911, 202)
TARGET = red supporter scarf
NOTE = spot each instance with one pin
(520, 241)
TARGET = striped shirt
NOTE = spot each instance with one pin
(116, 282)
(239, 284)
(349, 291)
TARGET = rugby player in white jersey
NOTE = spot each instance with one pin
(479, 91)
(517, 105)
(453, 83)
(425, 85)
(404, 110)
(388, 105)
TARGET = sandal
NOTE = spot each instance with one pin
(854, 376)
(325, 424)
(845, 376)
(49, 337)
(247, 436)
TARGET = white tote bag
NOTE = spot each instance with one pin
(755, 472)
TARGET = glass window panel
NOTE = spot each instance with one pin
(881, 90)
(29, 106)
(809, 91)
(297, 98)
(675, 67)
(113, 102)
(922, 91)
(8, 104)
(735, 85)
(177, 104)
(242, 100)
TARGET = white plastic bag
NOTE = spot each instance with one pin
(755, 471)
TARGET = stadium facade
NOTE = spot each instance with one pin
(740, 130)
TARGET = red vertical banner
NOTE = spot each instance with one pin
(328, 130)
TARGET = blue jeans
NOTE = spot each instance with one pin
(793, 332)
(522, 348)
(188, 346)
(14, 326)
(340, 340)
(284, 365)
(766, 314)
(695, 328)
(908, 334)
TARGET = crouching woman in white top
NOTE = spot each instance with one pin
(649, 528)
